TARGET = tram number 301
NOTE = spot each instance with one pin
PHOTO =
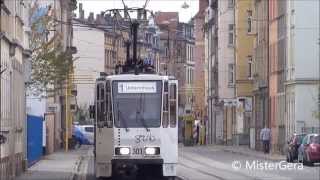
(137, 151)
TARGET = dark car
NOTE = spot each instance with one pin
(309, 150)
(293, 146)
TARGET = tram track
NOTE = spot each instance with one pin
(201, 171)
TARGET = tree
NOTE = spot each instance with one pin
(50, 63)
(82, 114)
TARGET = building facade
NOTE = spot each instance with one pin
(277, 59)
(14, 48)
(185, 74)
(301, 67)
(90, 61)
(200, 77)
(244, 36)
(260, 71)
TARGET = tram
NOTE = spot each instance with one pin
(136, 124)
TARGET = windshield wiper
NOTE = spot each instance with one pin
(121, 118)
(141, 114)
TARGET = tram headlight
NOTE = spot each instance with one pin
(122, 151)
(152, 150)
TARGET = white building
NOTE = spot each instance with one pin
(302, 67)
(90, 58)
(14, 50)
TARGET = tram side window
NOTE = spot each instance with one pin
(173, 105)
(165, 117)
(109, 107)
(101, 107)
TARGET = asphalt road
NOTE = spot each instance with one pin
(208, 163)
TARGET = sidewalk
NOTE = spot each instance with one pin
(245, 150)
(60, 165)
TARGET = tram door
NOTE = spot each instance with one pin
(104, 129)
(173, 115)
(169, 122)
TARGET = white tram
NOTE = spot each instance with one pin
(136, 124)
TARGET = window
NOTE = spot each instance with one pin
(100, 105)
(231, 27)
(165, 117)
(188, 56)
(249, 67)
(231, 73)
(230, 3)
(249, 21)
(109, 106)
(191, 76)
(137, 104)
(166, 51)
(187, 75)
(191, 53)
(89, 129)
(173, 105)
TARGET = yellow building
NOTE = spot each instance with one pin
(244, 38)
(115, 50)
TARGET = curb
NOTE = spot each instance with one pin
(252, 155)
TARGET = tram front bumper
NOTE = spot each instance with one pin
(131, 166)
(137, 161)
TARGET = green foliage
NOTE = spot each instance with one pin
(73, 5)
(50, 63)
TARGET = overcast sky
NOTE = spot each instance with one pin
(185, 15)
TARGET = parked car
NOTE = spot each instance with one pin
(309, 150)
(293, 146)
(84, 134)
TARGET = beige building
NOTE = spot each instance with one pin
(14, 50)
(244, 38)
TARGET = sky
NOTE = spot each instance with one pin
(185, 15)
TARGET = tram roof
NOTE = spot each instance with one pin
(138, 77)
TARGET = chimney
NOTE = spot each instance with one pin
(98, 19)
(81, 11)
(91, 18)
(203, 4)
(102, 19)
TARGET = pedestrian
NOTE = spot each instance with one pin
(265, 136)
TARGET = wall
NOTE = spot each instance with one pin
(305, 39)
(90, 62)
(12, 125)
(225, 51)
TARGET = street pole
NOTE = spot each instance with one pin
(67, 115)
(1, 1)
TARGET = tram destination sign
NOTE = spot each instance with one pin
(137, 87)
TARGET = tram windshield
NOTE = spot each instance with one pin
(137, 104)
